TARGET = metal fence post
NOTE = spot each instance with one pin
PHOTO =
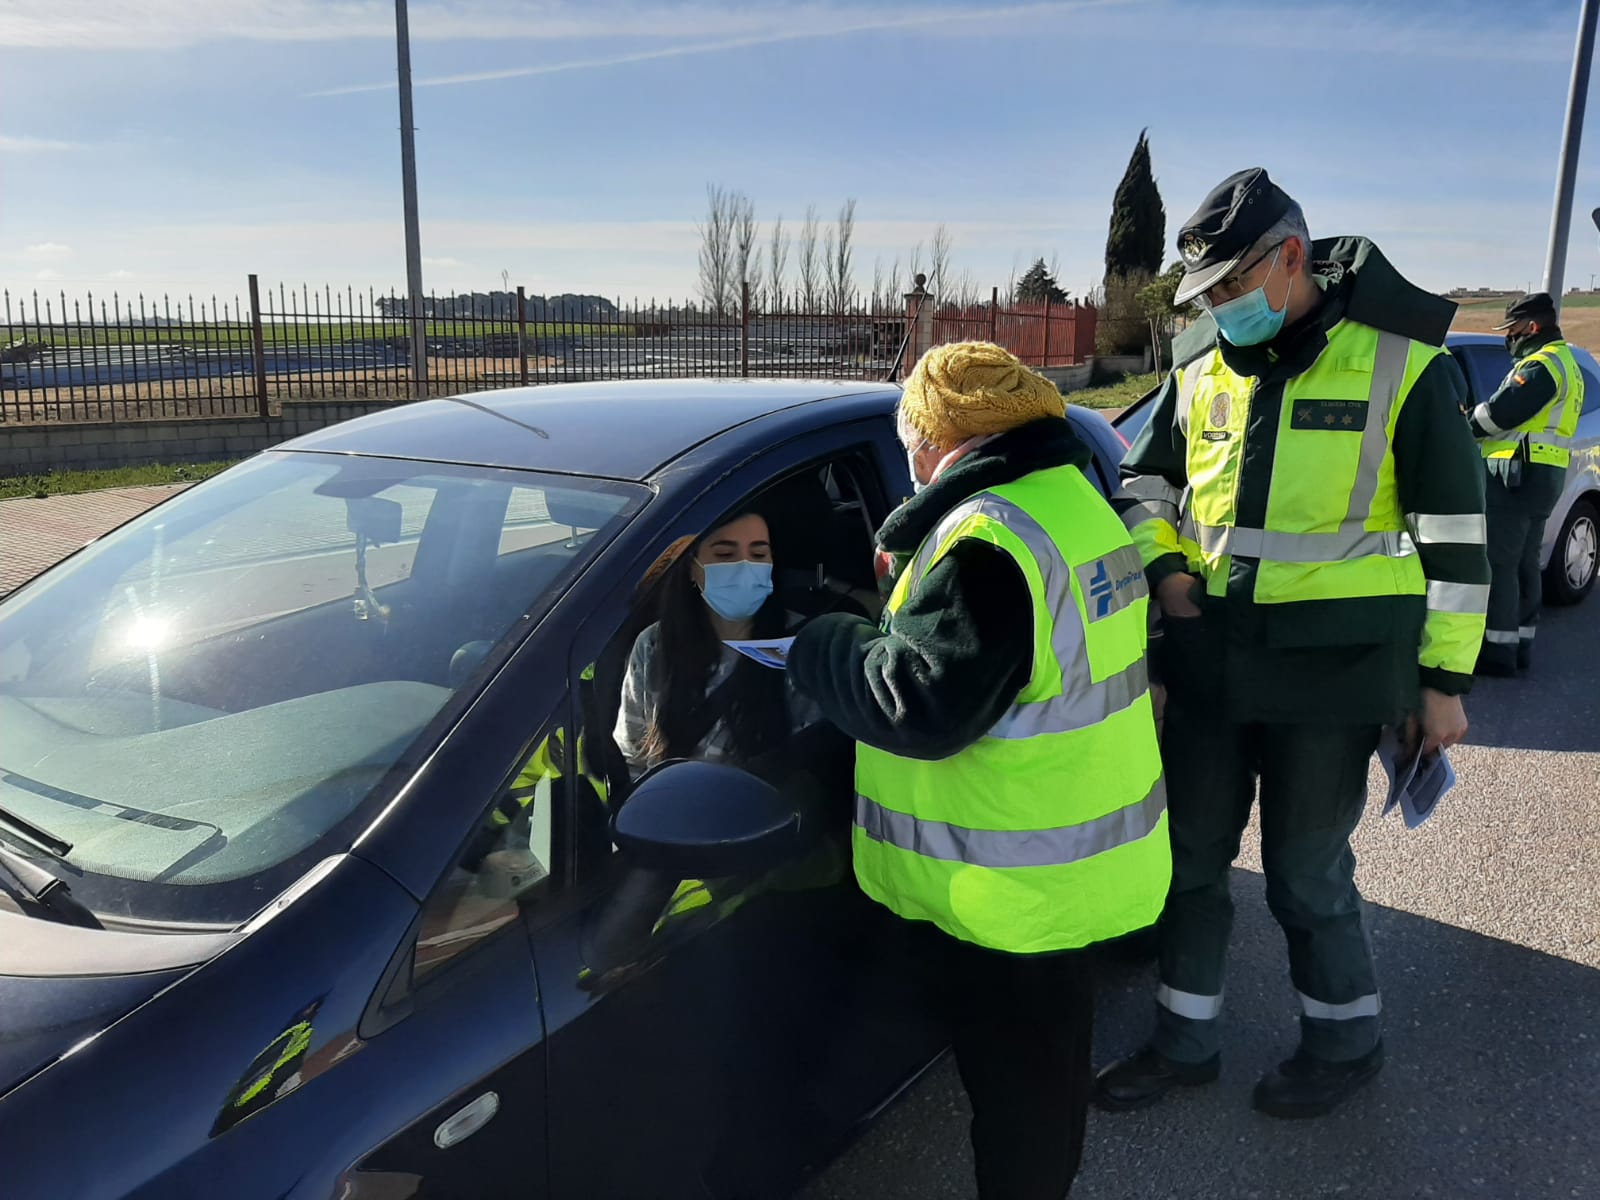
(994, 311)
(1044, 358)
(522, 335)
(744, 328)
(258, 350)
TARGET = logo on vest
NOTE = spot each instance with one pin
(1107, 593)
(1217, 418)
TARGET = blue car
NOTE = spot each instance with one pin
(319, 872)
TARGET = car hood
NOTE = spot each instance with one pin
(61, 985)
(43, 1019)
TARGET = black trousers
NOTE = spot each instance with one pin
(1021, 1026)
(1516, 520)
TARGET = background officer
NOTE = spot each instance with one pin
(1525, 431)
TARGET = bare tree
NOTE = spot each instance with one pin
(877, 283)
(777, 265)
(966, 290)
(828, 292)
(892, 289)
(841, 270)
(746, 256)
(916, 263)
(939, 259)
(810, 264)
(716, 249)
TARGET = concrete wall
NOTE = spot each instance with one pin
(1069, 379)
(42, 449)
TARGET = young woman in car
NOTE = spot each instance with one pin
(687, 694)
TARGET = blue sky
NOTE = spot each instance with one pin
(177, 145)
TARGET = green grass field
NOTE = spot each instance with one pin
(1115, 395)
(69, 483)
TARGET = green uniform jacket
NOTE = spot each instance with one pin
(1517, 400)
(1353, 660)
(962, 646)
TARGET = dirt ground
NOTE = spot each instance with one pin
(1581, 323)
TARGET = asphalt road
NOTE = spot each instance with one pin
(1486, 926)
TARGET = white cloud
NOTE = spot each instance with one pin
(47, 274)
(17, 143)
(167, 24)
(805, 25)
(46, 252)
(120, 274)
(440, 262)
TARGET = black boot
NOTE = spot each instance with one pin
(1143, 1078)
(1313, 1087)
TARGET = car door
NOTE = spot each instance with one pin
(733, 1044)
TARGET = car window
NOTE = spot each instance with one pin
(1485, 367)
(206, 702)
(509, 859)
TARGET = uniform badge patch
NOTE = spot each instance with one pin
(1221, 407)
(1337, 416)
(1193, 247)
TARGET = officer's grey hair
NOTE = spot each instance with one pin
(1291, 225)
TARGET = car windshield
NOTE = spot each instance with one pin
(200, 706)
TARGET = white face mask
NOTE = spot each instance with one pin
(911, 464)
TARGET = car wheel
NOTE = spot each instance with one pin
(1571, 573)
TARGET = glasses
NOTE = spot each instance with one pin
(1233, 287)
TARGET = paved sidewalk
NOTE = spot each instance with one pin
(36, 533)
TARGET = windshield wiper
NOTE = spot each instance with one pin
(44, 891)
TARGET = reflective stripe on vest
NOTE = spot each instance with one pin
(1049, 832)
(1549, 433)
(1013, 847)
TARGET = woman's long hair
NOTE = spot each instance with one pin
(687, 651)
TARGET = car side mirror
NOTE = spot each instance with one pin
(699, 820)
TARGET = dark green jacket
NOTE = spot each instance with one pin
(1333, 660)
(959, 650)
(1517, 400)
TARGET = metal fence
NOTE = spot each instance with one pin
(98, 359)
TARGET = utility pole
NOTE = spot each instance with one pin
(408, 175)
(1561, 218)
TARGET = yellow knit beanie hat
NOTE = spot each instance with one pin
(974, 389)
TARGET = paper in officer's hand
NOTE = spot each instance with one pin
(1397, 764)
(1433, 777)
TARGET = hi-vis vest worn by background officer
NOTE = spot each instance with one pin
(1549, 432)
(1334, 528)
(1049, 832)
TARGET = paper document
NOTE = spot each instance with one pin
(1415, 783)
(773, 652)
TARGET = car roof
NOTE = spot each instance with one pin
(1498, 342)
(622, 430)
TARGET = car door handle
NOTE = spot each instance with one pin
(467, 1122)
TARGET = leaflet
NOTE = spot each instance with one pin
(1417, 783)
(773, 652)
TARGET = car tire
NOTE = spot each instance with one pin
(1571, 573)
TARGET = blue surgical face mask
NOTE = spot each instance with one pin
(737, 590)
(1250, 320)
